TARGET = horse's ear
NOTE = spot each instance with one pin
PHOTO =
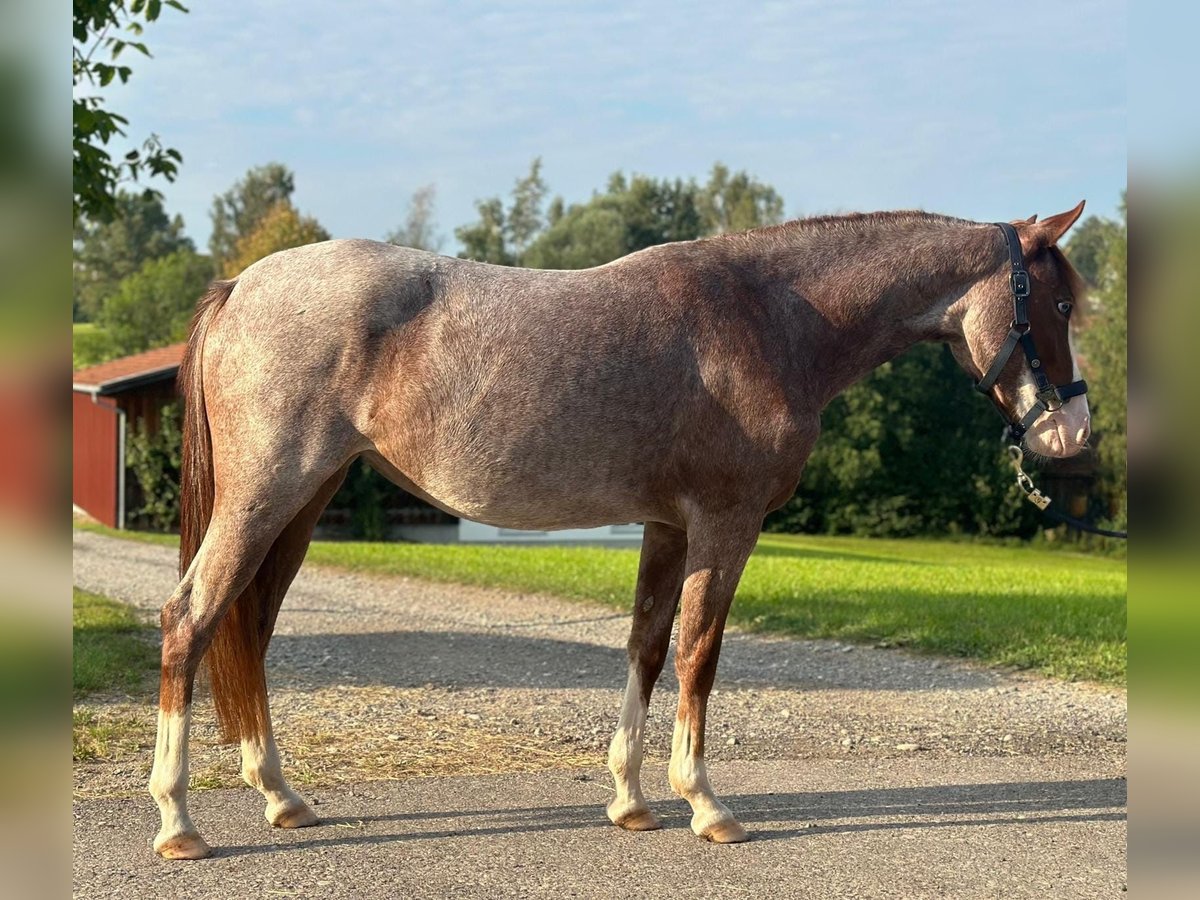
(1048, 232)
(1028, 221)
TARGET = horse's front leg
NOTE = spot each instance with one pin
(717, 553)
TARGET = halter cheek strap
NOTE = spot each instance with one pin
(1049, 396)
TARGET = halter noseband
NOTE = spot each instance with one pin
(1049, 397)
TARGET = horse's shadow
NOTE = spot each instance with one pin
(784, 815)
(513, 658)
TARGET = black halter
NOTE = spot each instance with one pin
(1049, 397)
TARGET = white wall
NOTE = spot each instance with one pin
(474, 532)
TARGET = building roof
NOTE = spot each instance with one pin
(128, 372)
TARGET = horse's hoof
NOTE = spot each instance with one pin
(632, 815)
(638, 820)
(727, 831)
(293, 815)
(182, 846)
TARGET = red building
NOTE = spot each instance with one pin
(106, 401)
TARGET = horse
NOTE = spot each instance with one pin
(680, 386)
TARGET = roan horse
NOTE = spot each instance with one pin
(680, 386)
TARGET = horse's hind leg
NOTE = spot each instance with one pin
(660, 577)
(217, 594)
(261, 768)
(717, 551)
(223, 568)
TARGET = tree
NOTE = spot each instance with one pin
(1105, 342)
(632, 214)
(502, 235)
(525, 214)
(657, 212)
(153, 306)
(238, 212)
(280, 229)
(102, 31)
(419, 229)
(485, 240)
(1089, 247)
(635, 212)
(107, 252)
(737, 202)
(906, 452)
(587, 235)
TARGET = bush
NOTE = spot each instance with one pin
(365, 494)
(909, 450)
(154, 459)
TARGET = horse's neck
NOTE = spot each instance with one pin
(857, 300)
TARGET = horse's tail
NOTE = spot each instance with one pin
(196, 466)
(235, 657)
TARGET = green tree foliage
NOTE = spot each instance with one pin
(632, 213)
(89, 345)
(1089, 247)
(106, 252)
(1105, 341)
(502, 235)
(484, 240)
(105, 33)
(737, 202)
(908, 450)
(366, 494)
(238, 212)
(525, 219)
(281, 228)
(154, 460)
(419, 229)
(588, 234)
(153, 306)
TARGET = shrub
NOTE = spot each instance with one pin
(154, 460)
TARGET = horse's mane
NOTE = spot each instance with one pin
(905, 221)
(850, 222)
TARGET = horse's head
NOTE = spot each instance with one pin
(1055, 289)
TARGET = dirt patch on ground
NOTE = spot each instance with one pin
(336, 735)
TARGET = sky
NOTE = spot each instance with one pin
(975, 109)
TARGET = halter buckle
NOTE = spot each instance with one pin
(1051, 399)
(1020, 284)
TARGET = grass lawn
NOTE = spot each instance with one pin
(113, 651)
(112, 648)
(1059, 613)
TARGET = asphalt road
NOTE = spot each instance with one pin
(859, 772)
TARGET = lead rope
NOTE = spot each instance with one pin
(1042, 502)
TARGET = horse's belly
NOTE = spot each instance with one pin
(514, 484)
(507, 501)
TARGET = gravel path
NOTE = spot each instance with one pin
(384, 678)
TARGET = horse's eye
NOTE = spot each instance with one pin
(1064, 307)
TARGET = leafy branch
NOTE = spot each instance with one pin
(103, 30)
